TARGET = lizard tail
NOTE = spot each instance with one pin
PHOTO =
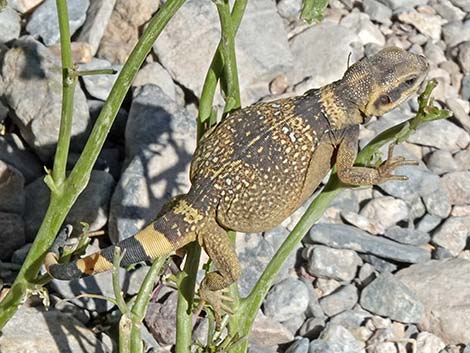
(153, 241)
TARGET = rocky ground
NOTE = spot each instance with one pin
(385, 271)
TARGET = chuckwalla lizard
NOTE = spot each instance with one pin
(262, 162)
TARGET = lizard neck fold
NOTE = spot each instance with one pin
(338, 108)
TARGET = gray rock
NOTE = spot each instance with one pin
(457, 107)
(13, 152)
(160, 140)
(116, 134)
(377, 11)
(328, 61)
(32, 88)
(463, 159)
(312, 327)
(448, 11)
(464, 57)
(44, 22)
(441, 253)
(441, 134)
(417, 209)
(91, 206)
(347, 237)
(457, 186)
(437, 203)
(20, 254)
(388, 296)
(466, 87)
(339, 340)
(261, 55)
(97, 18)
(385, 212)
(441, 162)
(396, 4)
(268, 332)
(11, 189)
(299, 346)
(362, 26)
(326, 286)
(333, 263)
(12, 235)
(156, 74)
(427, 342)
(319, 346)
(407, 235)
(463, 4)
(429, 25)
(379, 264)
(446, 306)
(23, 6)
(366, 274)
(254, 253)
(341, 300)
(351, 319)
(33, 330)
(10, 25)
(289, 9)
(161, 319)
(456, 32)
(434, 53)
(281, 305)
(452, 234)
(428, 223)
(99, 86)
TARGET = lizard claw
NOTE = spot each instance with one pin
(385, 170)
(217, 300)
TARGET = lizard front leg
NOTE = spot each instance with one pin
(349, 174)
(215, 241)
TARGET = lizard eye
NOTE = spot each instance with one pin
(384, 100)
(411, 81)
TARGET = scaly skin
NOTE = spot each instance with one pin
(262, 162)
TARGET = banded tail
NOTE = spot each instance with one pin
(159, 238)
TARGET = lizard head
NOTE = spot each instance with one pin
(383, 81)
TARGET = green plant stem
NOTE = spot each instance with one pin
(216, 69)
(186, 286)
(312, 10)
(68, 89)
(230, 81)
(250, 305)
(60, 205)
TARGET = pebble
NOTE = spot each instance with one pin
(448, 11)
(377, 11)
(442, 162)
(428, 25)
(281, 305)
(361, 25)
(12, 197)
(122, 31)
(457, 186)
(457, 106)
(160, 319)
(99, 86)
(97, 18)
(339, 340)
(428, 223)
(385, 211)
(267, 332)
(437, 203)
(337, 264)
(407, 236)
(462, 4)
(456, 32)
(24, 6)
(37, 103)
(441, 134)
(428, 343)
(466, 87)
(452, 234)
(341, 300)
(434, 53)
(464, 57)
(10, 25)
(300, 345)
(44, 21)
(390, 297)
(446, 307)
(289, 9)
(12, 234)
(379, 264)
(154, 73)
(312, 327)
(32, 330)
(347, 237)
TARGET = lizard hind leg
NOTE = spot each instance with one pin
(215, 241)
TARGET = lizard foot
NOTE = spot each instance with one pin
(218, 300)
(385, 170)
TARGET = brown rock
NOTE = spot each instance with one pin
(457, 186)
